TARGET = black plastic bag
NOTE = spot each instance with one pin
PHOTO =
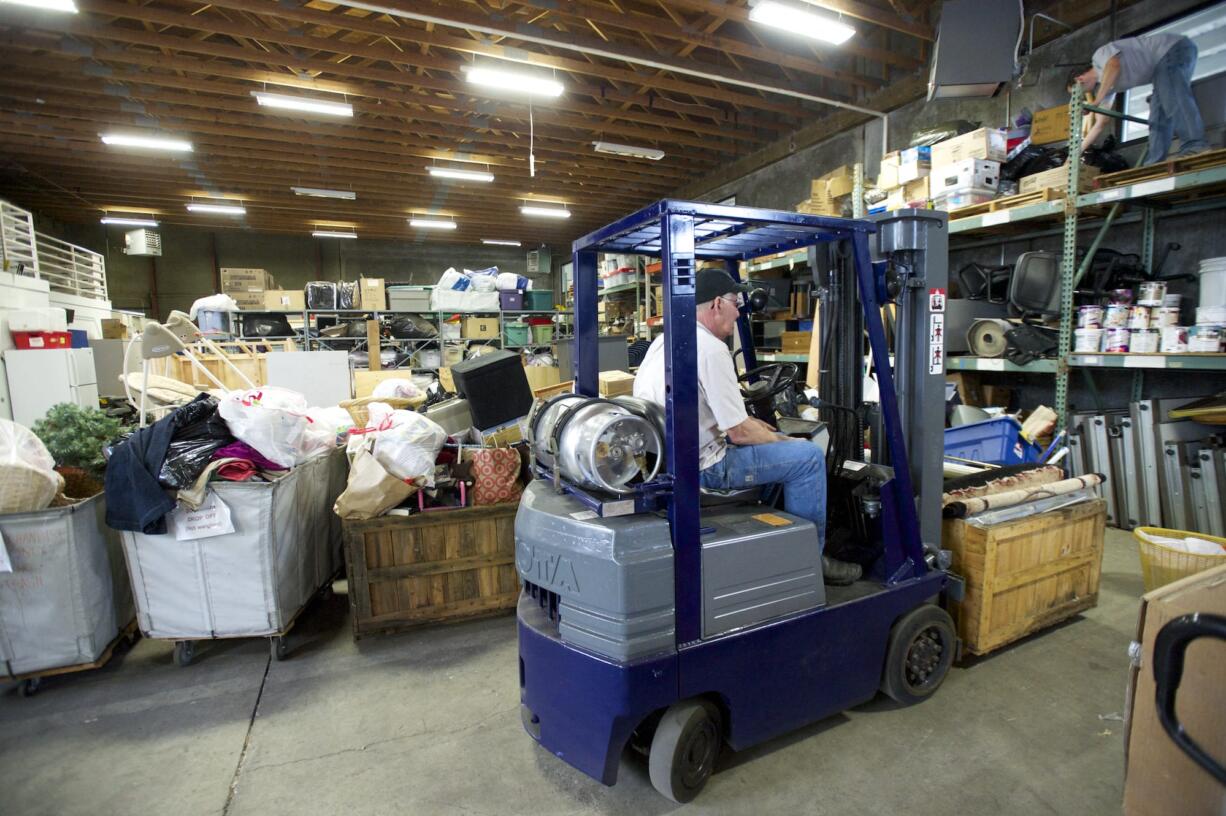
(346, 295)
(1105, 158)
(1032, 159)
(411, 327)
(320, 295)
(266, 325)
(199, 432)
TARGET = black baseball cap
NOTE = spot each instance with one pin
(713, 282)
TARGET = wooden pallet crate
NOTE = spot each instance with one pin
(1025, 575)
(443, 565)
(1008, 203)
(1162, 169)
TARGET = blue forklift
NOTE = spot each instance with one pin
(659, 619)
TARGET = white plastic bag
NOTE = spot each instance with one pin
(396, 387)
(213, 303)
(278, 423)
(452, 279)
(482, 281)
(29, 481)
(406, 442)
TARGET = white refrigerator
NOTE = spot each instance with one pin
(39, 379)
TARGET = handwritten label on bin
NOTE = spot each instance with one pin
(212, 519)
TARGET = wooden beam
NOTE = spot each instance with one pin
(879, 16)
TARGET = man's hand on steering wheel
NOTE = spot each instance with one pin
(772, 379)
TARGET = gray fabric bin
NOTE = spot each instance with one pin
(67, 597)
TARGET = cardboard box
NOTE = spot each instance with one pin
(616, 383)
(372, 294)
(1158, 776)
(835, 184)
(1057, 179)
(545, 392)
(1049, 126)
(364, 380)
(236, 279)
(445, 379)
(980, 174)
(113, 329)
(796, 342)
(985, 143)
(914, 163)
(912, 194)
(542, 376)
(249, 301)
(284, 300)
(480, 328)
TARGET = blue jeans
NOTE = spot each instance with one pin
(799, 465)
(1172, 109)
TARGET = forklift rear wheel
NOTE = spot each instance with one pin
(684, 749)
(921, 650)
(184, 651)
(29, 686)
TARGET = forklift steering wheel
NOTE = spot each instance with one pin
(776, 378)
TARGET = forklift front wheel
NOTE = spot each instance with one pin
(684, 749)
(921, 650)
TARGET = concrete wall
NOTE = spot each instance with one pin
(190, 257)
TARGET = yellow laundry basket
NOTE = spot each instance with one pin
(1161, 565)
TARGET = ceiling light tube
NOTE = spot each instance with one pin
(146, 142)
(46, 5)
(800, 21)
(462, 175)
(498, 242)
(317, 192)
(217, 209)
(628, 150)
(432, 223)
(510, 80)
(301, 103)
(333, 234)
(117, 221)
(545, 212)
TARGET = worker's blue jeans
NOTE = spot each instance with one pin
(1172, 108)
(797, 464)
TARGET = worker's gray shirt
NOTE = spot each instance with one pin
(1139, 57)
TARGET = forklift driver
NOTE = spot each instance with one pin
(758, 454)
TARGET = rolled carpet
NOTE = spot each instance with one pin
(977, 504)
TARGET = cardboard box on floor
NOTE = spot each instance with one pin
(615, 383)
(1160, 778)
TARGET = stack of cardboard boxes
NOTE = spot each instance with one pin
(904, 176)
(966, 169)
(247, 286)
(828, 194)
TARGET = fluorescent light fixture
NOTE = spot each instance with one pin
(217, 209)
(498, 242)
(545, 212)
(301, 103)
(317, 192)
(510, 80)
(628, 150)
(462, 175)
(432, 223)
(116, 221)
(333, 234)
(147, 142)
(47, 5)
(800, 21)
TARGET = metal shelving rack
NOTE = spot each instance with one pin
(1071, 212)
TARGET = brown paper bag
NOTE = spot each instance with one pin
(371, 490)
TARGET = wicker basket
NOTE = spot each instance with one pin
(24, 489)
(359, 410)
(1162, 565)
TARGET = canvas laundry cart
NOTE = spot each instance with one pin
(66, 604)
(252, 582)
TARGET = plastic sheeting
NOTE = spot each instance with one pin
(67, 597)
(254, 581)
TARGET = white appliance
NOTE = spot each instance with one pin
(142, 242)
(39, 379)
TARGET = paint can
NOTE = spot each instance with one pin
(1165, 316)
(1090, 317)
(1145, 341)
(1088, 340)
(1174, 340)
(1172, 300)
(1116, 316)
(1121, 296)
(1151, 293)
(1138, 318)
(1116, 340)
(1204, 339)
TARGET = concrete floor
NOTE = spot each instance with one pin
(428, 723)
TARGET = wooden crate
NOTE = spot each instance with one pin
(443, 565)
(1023, 576)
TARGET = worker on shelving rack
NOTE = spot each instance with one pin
(1164, 60)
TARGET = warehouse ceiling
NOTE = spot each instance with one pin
(692, 78)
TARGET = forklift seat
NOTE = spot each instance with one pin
(712, 497)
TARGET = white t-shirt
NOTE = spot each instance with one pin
(720, 405)
(1139, 56)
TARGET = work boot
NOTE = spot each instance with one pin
(839, 573)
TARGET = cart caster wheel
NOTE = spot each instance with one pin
(921, 650)
(684, 749)
(30, 686)
(279, 646)
(185, 650)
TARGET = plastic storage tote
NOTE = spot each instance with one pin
(992, 441)
(511, 301)
(67, 598)
(542, 332)
(538, 299)
(516, 334)
(1162, 565)
(254, 581)
(408, 298)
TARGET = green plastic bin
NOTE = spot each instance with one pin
(542, 333)
(516, 334)
(538, 300)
